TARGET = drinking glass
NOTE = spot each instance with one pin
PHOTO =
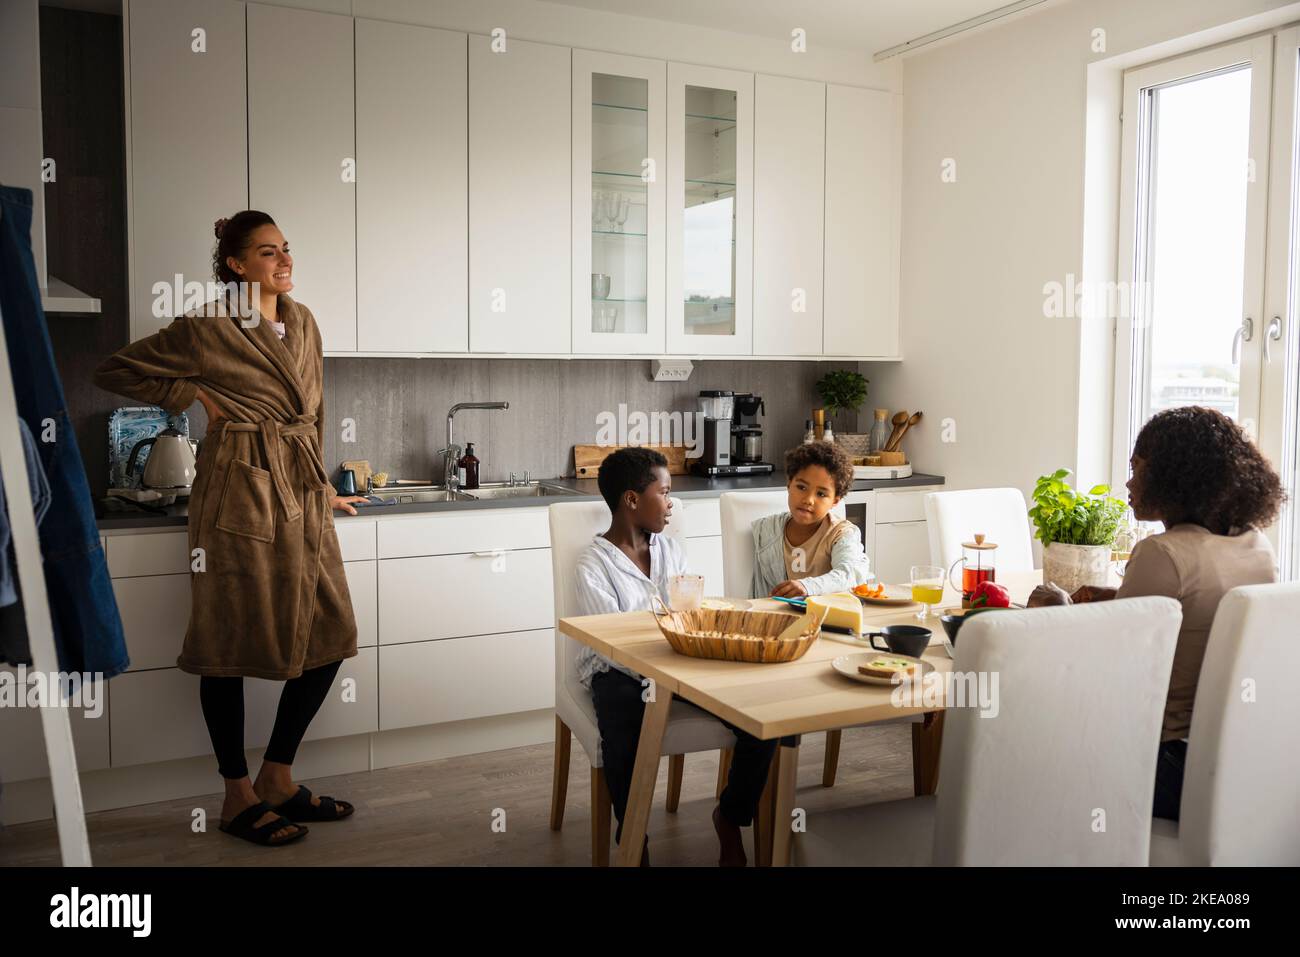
(685, 592)
(927, 587)
(620, 217)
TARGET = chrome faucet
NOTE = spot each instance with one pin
(451, 454)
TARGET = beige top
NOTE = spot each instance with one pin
(1192, 564)
(812, 559)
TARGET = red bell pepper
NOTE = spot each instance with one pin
(990, 595)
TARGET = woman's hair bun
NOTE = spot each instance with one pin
(219, 226)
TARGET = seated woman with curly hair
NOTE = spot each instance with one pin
(1194, 470)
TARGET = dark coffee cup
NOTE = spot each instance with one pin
(907, 640)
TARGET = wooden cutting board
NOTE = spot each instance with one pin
(587, 458)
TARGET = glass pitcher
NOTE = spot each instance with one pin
(979, 564)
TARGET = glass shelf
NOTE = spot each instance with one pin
(617, 232)
(612, 299)
(617, 106)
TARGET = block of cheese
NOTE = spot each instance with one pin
(843, 611)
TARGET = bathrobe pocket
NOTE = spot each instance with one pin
(247, 504)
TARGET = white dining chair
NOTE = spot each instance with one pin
(573, 526)
(1060, 772)
(739, 511)
(999, 513)
(1241, 783)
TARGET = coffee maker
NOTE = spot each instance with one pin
(732, 436)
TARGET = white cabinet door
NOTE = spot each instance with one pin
(187, 150)
(301, 154)
(412, 178)
(704, 557)
(450, 596)
(789, 186)
(899, 546)
(351, 706)
(618, 204)
(363, 589)
(520, 179)
(430, 682)
(862, 225)
(710, 200)
(22, 738)
(155, 611)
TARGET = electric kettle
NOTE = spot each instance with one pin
(170, 466)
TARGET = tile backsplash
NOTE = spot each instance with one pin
(399, 407)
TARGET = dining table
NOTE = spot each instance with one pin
(778, 700)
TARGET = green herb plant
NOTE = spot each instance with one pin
(842, 390)
(1064, 515)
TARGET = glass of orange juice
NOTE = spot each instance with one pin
(927, 587)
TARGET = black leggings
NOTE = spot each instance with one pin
(223, 709)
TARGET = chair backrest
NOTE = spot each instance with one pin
(1062, 770)
(1241, 784)
(573, 526)
(1000, 513)
(739, 511)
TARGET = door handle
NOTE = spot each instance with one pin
(1243, 334)
(1272, 334)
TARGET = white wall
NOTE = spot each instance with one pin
(1008, 104)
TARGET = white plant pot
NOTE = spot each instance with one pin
(1070, 567)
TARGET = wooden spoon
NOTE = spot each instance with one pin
(897, 421)
(897, 440)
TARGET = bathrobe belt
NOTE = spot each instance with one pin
(275, 436)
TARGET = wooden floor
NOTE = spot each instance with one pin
(441, 813)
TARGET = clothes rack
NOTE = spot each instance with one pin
(69, 811)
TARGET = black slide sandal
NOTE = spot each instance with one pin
(300, 808)
(242, 826)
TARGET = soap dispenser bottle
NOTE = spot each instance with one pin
(468, 466)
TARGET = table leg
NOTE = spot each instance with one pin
(764, 817)
(787, 768)
(644, 774)
(927, 742)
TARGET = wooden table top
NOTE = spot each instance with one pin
(772, 700)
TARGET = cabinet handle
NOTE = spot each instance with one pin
(491, 554)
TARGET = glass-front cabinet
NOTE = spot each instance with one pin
(618, 204)
(710, 211)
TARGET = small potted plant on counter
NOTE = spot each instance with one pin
(1077, 530)
(843, 390)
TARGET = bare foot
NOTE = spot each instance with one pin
(732, 852)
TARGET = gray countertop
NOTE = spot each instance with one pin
(684, 486)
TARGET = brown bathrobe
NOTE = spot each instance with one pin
(272, 599)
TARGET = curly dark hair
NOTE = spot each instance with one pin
(826, 454)
(1199, 466)
(234, 235)
(624, 470)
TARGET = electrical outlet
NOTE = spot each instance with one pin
(671, 370)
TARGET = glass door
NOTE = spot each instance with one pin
(618, 204)
(1279, 420)
(1190, 327)
(710, 211)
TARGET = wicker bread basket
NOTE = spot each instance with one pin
(730, 635)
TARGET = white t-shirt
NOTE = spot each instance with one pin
(609, 582)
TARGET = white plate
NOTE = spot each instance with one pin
(847, 665)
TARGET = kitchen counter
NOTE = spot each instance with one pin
(684, 486)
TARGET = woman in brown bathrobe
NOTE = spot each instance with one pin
(269, 596)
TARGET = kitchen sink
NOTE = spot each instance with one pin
(501, 490)
(415, 493)
(407, 493)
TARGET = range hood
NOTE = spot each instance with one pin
(21, 152)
